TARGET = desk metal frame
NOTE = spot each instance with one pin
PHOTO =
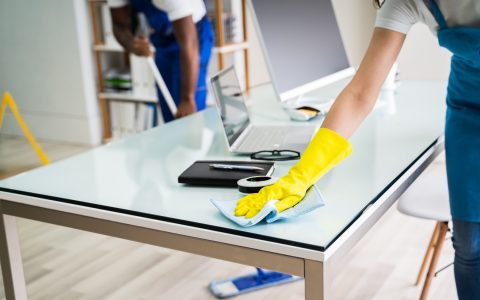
(318, 273)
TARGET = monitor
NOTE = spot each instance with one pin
(302, 44)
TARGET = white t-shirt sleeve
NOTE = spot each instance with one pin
(398, 15)
(117, 3)
(178, 9)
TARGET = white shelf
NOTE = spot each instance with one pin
(105, 48)
(230, 47)
(223, 49)
(127, 96)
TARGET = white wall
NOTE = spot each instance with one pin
(356, 19)
(422, 57)
(258, 68)
(46, 63)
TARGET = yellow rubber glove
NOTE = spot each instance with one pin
(325, 151)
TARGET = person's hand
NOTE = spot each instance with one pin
(141, 47)
(287, 190)
(186, 107)
(325, 151)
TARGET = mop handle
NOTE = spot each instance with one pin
(161, 84)
(260, 276)
(143, 31)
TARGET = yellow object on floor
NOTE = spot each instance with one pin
(8, 100)
(324, 152)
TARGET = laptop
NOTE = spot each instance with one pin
(241, 135)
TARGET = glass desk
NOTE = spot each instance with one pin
(129, 188)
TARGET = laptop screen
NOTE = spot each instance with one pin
(230, 103)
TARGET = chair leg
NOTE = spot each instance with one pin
(428, 253)
(442, 232)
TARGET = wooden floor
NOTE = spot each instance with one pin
(62, 263)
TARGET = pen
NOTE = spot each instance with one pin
(235, 167)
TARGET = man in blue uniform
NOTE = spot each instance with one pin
(183, 40)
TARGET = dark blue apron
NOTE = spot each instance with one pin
(462, 131)
(167, 55)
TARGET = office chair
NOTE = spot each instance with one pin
(427, 198)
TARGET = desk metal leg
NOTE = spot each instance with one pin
(317, 282)
(11, 259)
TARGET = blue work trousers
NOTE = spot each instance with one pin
(466, 241)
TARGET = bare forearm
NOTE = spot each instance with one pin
(347, 113)
(189, 61)
(357, 100)
(124, 36)
(186, 34)
(122, 25)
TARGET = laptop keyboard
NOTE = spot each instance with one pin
(263, 138)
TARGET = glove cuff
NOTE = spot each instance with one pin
(324, 152)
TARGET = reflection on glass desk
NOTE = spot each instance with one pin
(138, 175)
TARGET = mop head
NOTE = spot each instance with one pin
(243, 284)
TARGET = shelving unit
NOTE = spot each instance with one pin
(100, 48)
(104, 48)
(127, 96)
(98, 42)
(222, 47)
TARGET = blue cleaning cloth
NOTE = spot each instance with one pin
(312, 200)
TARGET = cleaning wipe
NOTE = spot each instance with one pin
(312, 200)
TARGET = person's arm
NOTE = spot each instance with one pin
(329, 145)
(356, 101)
(121, 19)
(186, 35)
